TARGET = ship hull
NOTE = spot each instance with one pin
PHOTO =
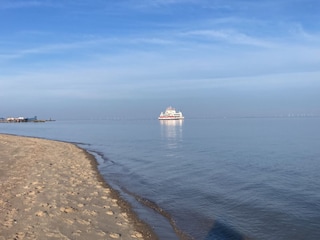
(170, 118)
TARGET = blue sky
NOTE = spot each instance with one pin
(208, 58)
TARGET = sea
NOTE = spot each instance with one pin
(220, 178)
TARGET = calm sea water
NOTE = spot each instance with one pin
(207, 178)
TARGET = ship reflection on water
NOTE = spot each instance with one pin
(171, 132)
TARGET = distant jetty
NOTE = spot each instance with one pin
(22, 119)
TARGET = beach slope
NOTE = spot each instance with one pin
(52, 190)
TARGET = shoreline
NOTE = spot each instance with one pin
(49, 190)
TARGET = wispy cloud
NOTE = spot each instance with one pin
(95, 44)
(54, 48)
(298, 31)
(229, 36)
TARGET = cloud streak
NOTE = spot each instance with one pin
(229, 36)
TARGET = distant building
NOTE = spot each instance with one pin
(21, 119)
(16, 119)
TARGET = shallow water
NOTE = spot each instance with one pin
(209, 178)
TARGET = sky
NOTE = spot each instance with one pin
(67, 59)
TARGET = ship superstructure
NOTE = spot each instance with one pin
(171, 114)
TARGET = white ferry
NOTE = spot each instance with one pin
(170, 114)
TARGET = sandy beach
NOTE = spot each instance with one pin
(52, 190)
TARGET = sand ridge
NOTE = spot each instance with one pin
(51, 190)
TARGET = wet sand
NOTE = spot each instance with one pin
(52, 190)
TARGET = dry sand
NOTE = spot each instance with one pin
(52, 190)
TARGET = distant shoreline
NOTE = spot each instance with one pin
(33, 121)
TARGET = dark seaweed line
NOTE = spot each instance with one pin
(155, 207)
